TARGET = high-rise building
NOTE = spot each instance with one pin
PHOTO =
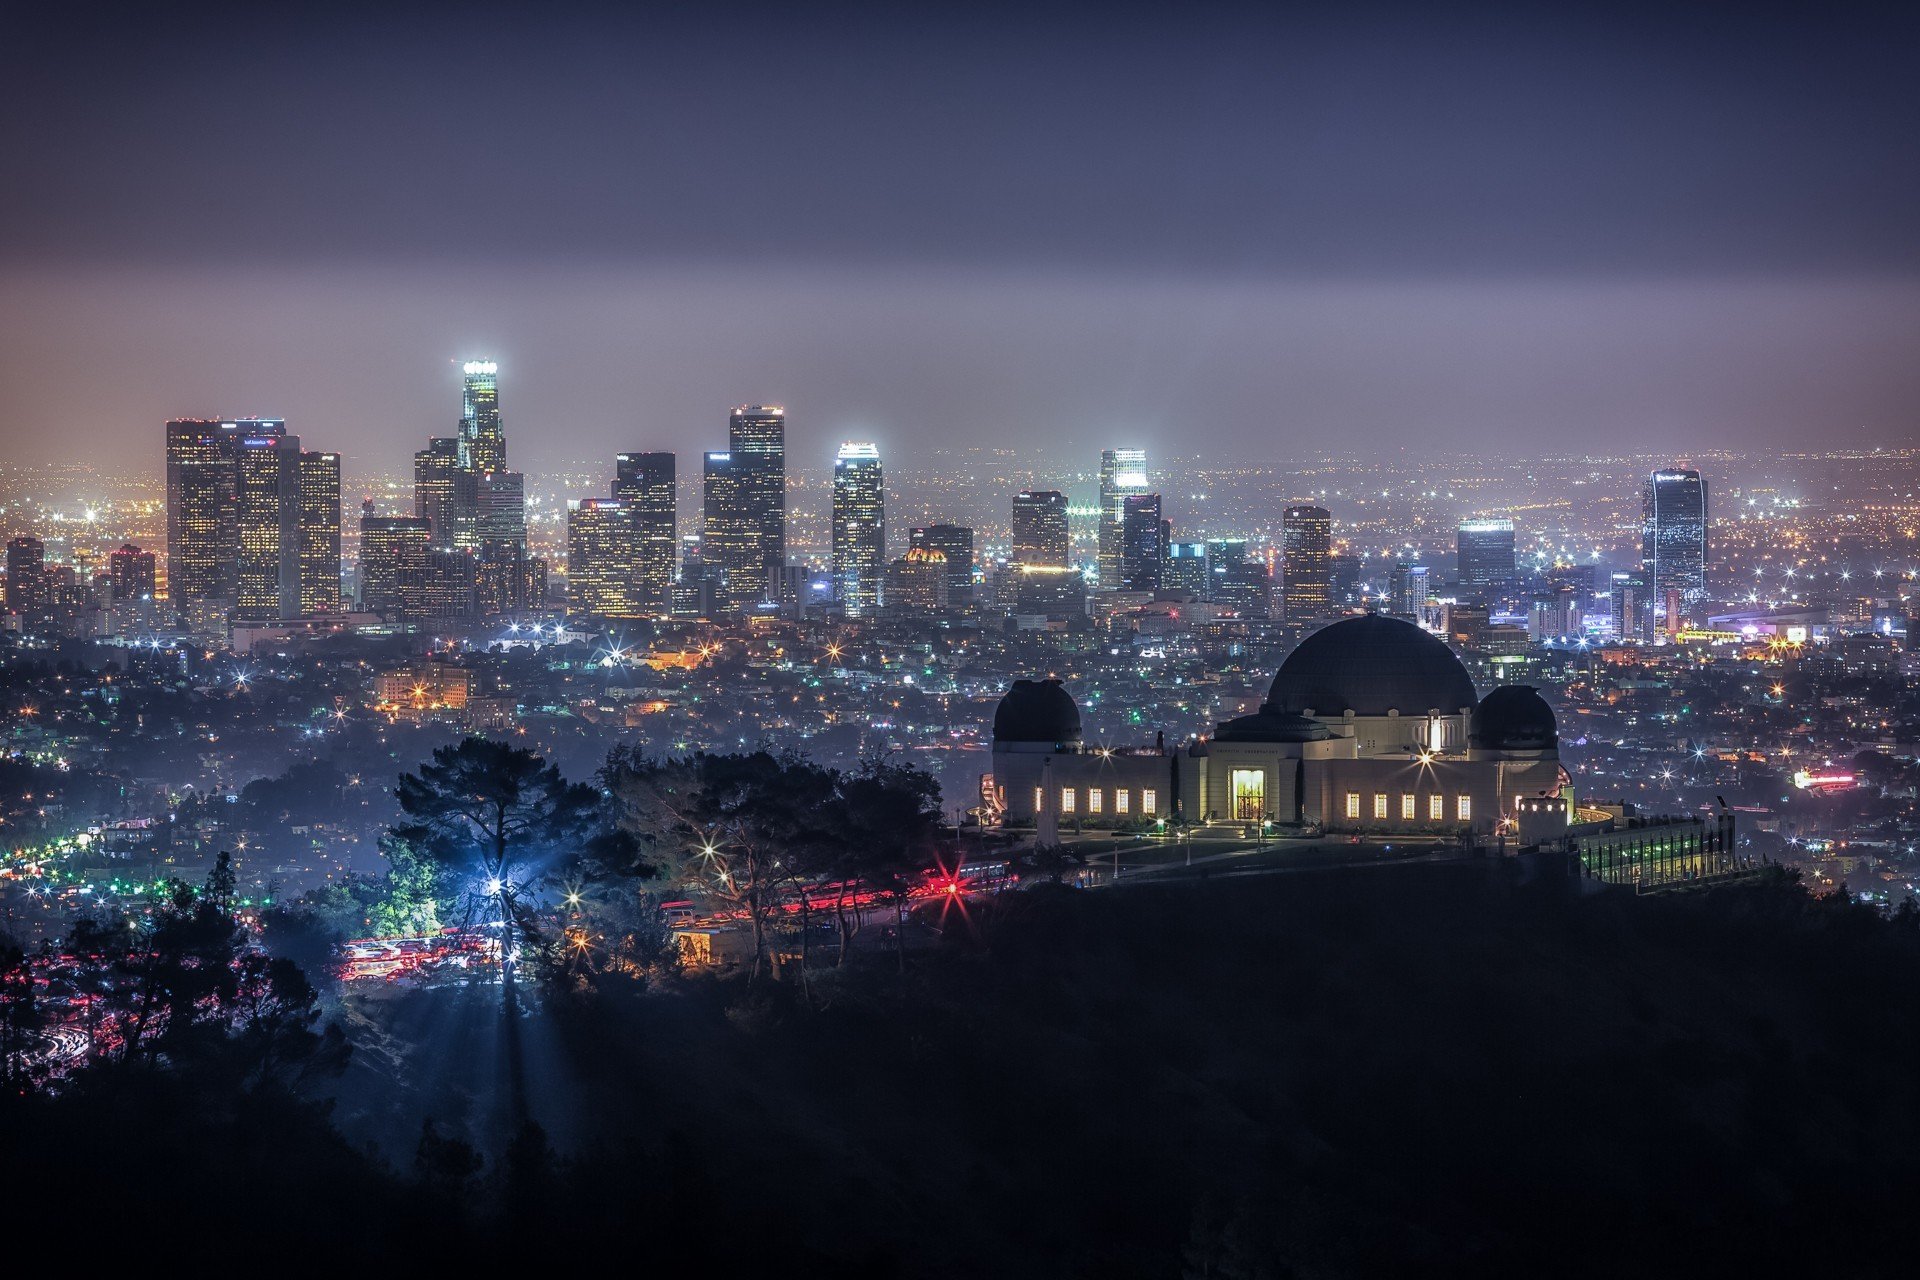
(1555, 614)
(393, 564)
(508, 580)
(1630, 608)
(859, 552)
(446, 493)
(1143, 539)
(449, 588)
(1040, 531)
(1238, 580)
(644, 482)
(757, 439)
(917, 584)
(315, 529)
(1123, 472)
(482, 441)
(1407, 590)
(1673, 547)
(603, 578)
(1186, 568)
(1485, 554)
(130, 572)
(955, 542)
(1048, 590)
(729, 541)
(202, 541)
(266, 515)
(502, 509)
(29, 593)
(1306, 543)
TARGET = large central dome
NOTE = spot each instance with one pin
(1370, 666)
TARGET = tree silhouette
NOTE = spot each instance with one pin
(497, 815)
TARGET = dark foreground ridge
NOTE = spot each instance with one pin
(1428, 1070)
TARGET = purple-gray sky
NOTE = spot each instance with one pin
(1261, 232)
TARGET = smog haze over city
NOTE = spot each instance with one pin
(1376, 227)
(1025, 640)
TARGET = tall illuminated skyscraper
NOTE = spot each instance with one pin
(130, 573)
(202, 534)
(1673, 546)
(644, 482)
(757, 439)
(1486, 554)
(859, 528)
(286, 524)
(1306, 541)
(729, 541)
(29, 592)
(1123, 472)
(316, 536)
(603, 577)
(446, 493)
(393, 564)
(483, 441)
(955, 542)
(266, 497)
(1040, 530)
(1143, 539)
(500, 515)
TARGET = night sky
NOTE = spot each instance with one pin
(1264, 234)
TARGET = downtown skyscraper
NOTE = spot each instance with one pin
(644, 484)
(1123, 473)
(1673, 546)
(461, 482)
(1040, 529)
(253, 521)
(1484, 554)
(1143, 542)
(859, 552)
(483, 440)
(1306, 542)
(744, 513)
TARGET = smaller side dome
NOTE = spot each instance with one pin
(1514, 717)
(1037, 711)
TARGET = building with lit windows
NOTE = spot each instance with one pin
(917, 584)
(1673, 546)
(1407, 590)
(130, 572)
(393, 564)
(645, 483)
(1371, 725)
(603, 572)
(500, 515)
(955, 542)
(202, 542)
(1123, 473)
(446, 494)
(1485, 555)
(1040, 529)
(316, 535)
(859, 551)
(29, 592)
(482, 439)
(757, 449)
(1186, 568)
(1306, 541)
(1237, 580)
(1143, 542)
